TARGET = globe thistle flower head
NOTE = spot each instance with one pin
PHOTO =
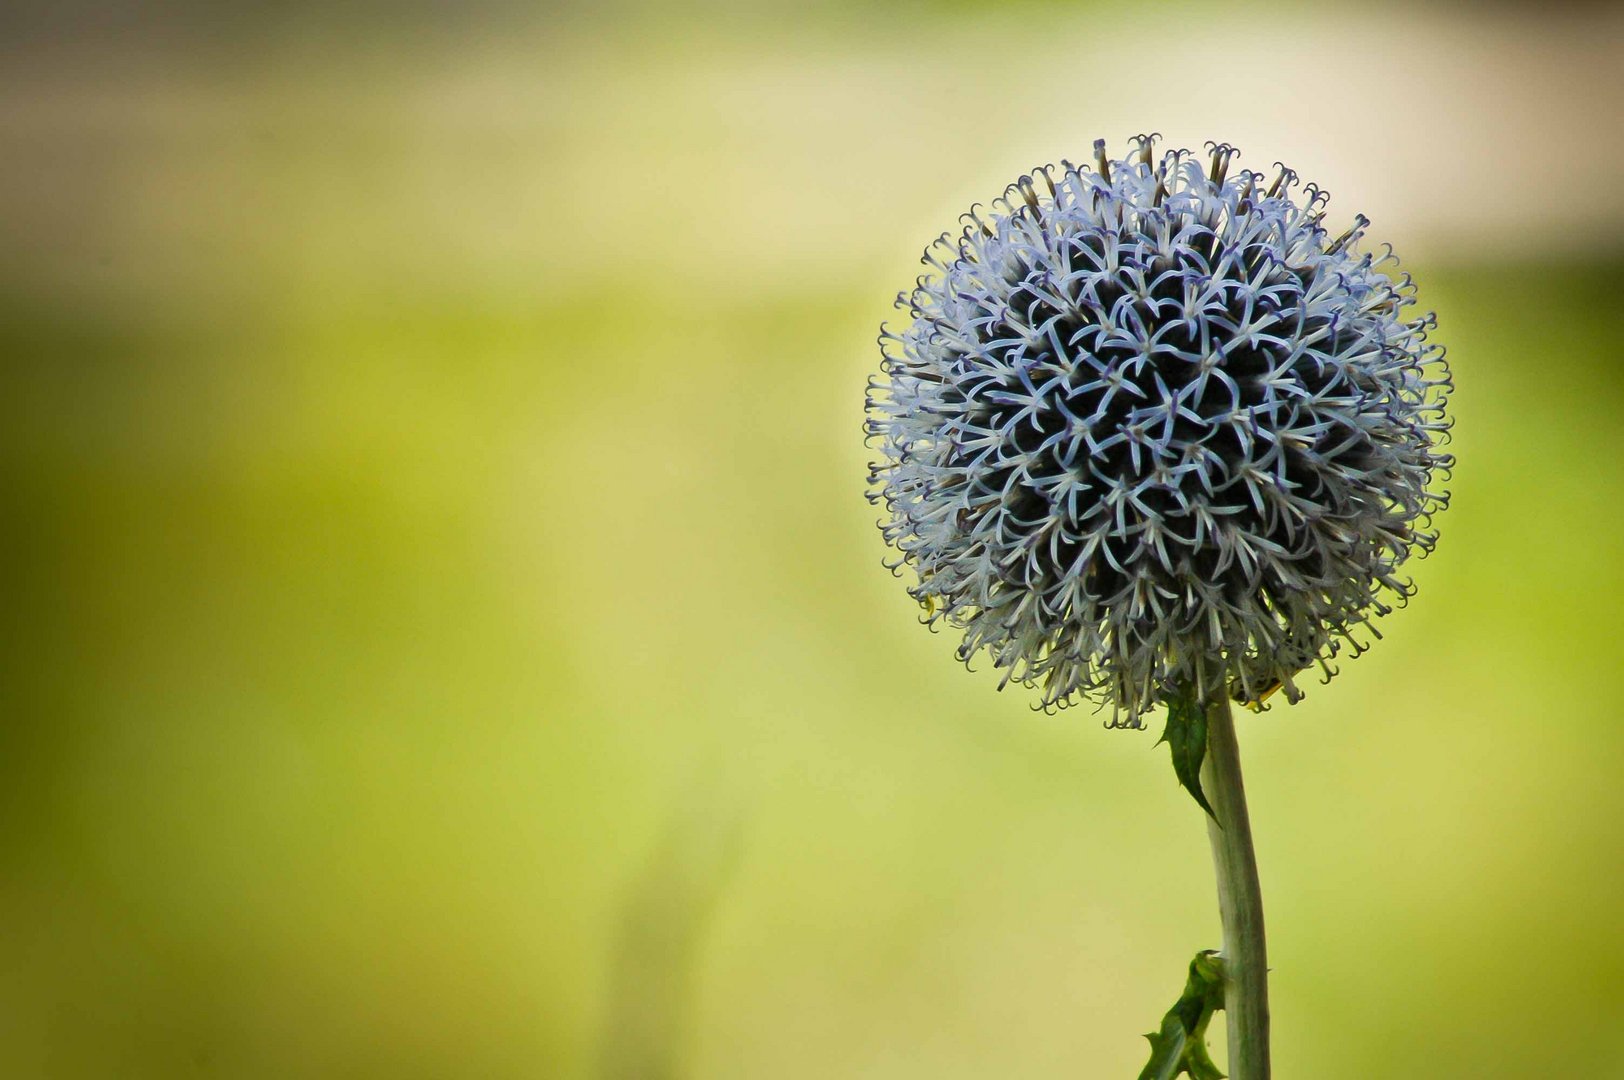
(1152, 429)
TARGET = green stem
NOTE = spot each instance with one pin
(1240, 901)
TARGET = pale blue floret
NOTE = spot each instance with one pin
(1151, 429)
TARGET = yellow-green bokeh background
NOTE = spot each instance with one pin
(446, 638)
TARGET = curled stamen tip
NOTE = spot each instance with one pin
(1222, 154)
(1028, 191)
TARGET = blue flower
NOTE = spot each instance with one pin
(1152, 429)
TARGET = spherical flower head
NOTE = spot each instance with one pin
(1153, 430)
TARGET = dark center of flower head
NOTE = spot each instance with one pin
(1155, 427)
(1111, 415)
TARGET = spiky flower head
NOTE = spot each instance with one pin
(1153, 430)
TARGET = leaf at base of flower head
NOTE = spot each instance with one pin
(1186, 736)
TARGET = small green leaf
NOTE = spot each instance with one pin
(1199, 1063)
(1180, 1046)
(1166, 1051)
(1186, 735)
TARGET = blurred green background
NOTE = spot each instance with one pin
(446, 636)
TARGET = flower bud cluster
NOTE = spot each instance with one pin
(1152, 429)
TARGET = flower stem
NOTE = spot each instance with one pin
(1240, 901)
